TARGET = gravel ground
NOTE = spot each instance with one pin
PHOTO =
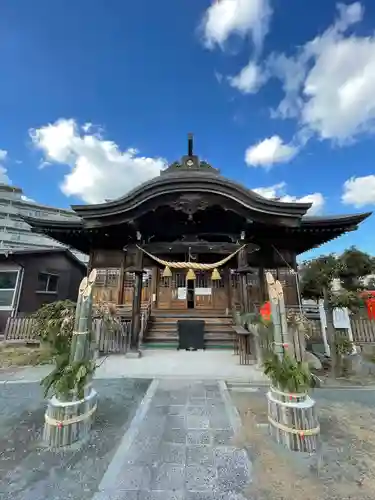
(29, 471)
(344, 466)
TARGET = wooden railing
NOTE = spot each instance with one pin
(20, 330)
(112, 339)
(363, 330)
(311, 310)
(145, 322)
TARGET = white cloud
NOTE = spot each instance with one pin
(98, 168)
(248, 80)
(4, 179)
(359, 191)
(329, 83)
(269, 151)
(277, 191)
(236, 17)
(86, 127)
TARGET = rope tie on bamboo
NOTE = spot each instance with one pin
(293, 430)
(283, 344)
(86, 332)
(74, 420)
(295, 395)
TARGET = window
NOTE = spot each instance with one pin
(47, 282)
(8, 285)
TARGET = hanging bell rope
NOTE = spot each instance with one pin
(215, 275)
(190, 275)
(167, 273)
(191, 265)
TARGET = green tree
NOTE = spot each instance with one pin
(317, 277)
(370, 285)
(355, 266)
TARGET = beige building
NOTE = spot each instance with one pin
(15, 233)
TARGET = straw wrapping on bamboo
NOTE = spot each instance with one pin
(292, 420)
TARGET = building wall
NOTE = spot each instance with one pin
(31, 298)
(14, 232)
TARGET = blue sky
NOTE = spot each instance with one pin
(97, 95)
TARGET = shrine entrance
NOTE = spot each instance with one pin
(177, 292)
(190, 294)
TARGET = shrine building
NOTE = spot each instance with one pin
(192, 243)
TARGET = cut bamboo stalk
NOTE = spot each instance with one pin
(291, 416)
(292, 420)
(71, 420)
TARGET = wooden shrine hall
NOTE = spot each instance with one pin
(191, 243)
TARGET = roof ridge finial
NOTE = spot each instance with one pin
(190, 144)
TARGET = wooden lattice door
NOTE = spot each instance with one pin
(235, 290)
(203, 290)
(178, 295)
(171, 293)
(164, 292)
(220, 293)
(128, 289)
(106, 287)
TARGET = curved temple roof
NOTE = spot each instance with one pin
(192, 176)
(200, 182)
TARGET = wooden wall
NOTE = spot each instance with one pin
(110, 287)
(115, 283)
(69, 272)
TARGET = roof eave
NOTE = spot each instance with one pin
(346, 220)
(216, 185)
(37, 223)
(36, 251)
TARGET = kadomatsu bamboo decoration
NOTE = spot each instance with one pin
(71, 411)
(280, 330)
(291, 412)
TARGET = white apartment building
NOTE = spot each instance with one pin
(14, 232)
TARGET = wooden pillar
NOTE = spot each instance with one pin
(228, 285)
(90, 262)
(154, 286)
(296, 283)
(137, 300)
(242, 264)
(262, 285)
(120, 297)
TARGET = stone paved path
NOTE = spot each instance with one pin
(180, 448)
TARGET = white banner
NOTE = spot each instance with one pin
(203, 291)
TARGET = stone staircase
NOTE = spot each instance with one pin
(163, 333)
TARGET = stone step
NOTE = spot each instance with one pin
(170, 334)
(163, 327)
(190, 313)
(174, 327)
(227, 344)
(206, 319)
